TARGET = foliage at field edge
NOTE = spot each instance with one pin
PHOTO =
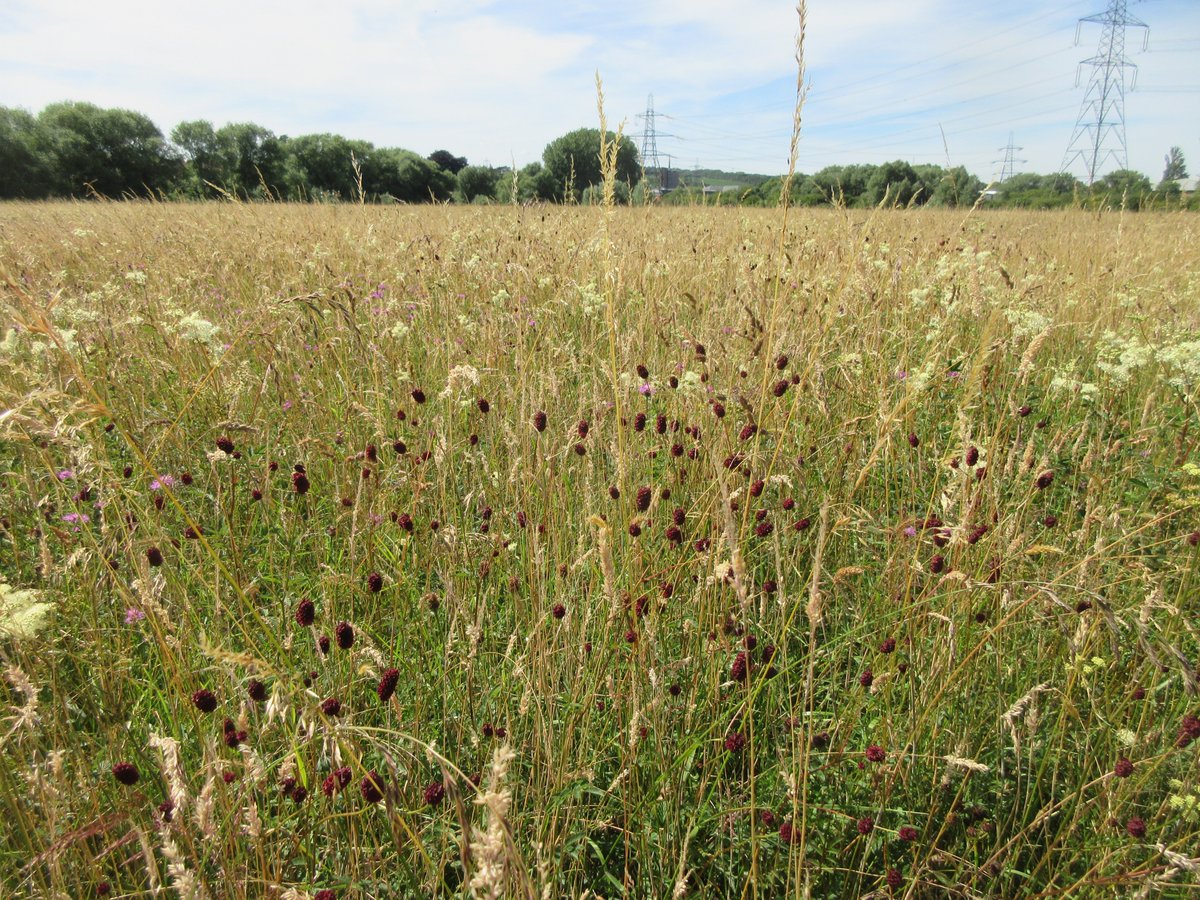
(365, 552)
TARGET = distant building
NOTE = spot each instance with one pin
(1188, 185)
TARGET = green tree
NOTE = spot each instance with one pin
(444, 159)
(476, 181)
(573, 161)
(112, 151)
(897, 183)
(1176, 168)
(534, 182)
(1124, 187)
(409, 178)
(24, 166)
(210, 157)
(258, 158)
(956, 187)
(321, 166)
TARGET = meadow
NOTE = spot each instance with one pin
(367, 552)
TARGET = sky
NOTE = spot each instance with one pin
(496, 80)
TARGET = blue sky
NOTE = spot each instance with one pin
(924, 80)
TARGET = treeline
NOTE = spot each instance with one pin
(82, 150)
(900, 183)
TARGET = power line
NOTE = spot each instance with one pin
(1099, 134)
(1008, 164)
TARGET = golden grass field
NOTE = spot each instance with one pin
(543, 552)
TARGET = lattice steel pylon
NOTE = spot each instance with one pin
(1099, 134)
(650, 160)
(1008, 165)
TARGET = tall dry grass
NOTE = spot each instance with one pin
(936, 571)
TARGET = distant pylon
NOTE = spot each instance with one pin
(1099, 134)
(1009, 163)
(650, 160)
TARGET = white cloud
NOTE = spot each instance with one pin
(496, 80)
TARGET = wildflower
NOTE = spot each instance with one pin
(748, 431)
(387, 684)
(780, 387)
(1193, 539)
(1024, 411)
(559, 611)
(1044, 480)
(888, 645)
(375, 582)
(913, 440)
(335, 781)
(740, 668)
(332, 707)
(894, 879)
(344, 633)
(937, 564)
(639, 422)
(645, 389)
(866, 825)
(133, 614)
(976, 533)
(788, 834)
(399, 447)
(483, 405)
(418, 395)
(1188, 732)
(300, 482)
(435, 792)
(644, 495)
(256, 690)
(763, 529)
(126, 773)
(1123, 768)
(1050, 521)
(660, 423)
(781, 362)
(718, 410)
(907, 833)
(1136, 827)
(867, 678)
(225, 443)
(675, 689)
(735, 742)
(972, 455)
(306, 611)
(323, 644)
(539, 420)
(875, 753)
(372, 787)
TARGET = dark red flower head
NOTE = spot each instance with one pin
(225, 443)
(332, 707)
(373, 787)
(418, 395)
(788, 834)
(559, 611)
(1044, 480)
(644, 496)
(126, 773)
(907, 833)
(735, 742)
(1123, 768)
(1136, 827)
(866, 825)
(154, 556)
(335, 781)
(344, 632)
(894, 879)
(300, 482)
(375, 582)
(387, 684)
(875, 753)
(435, 793)
(539, 420)
(204, 700)
(913, 440)
(306, 611)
